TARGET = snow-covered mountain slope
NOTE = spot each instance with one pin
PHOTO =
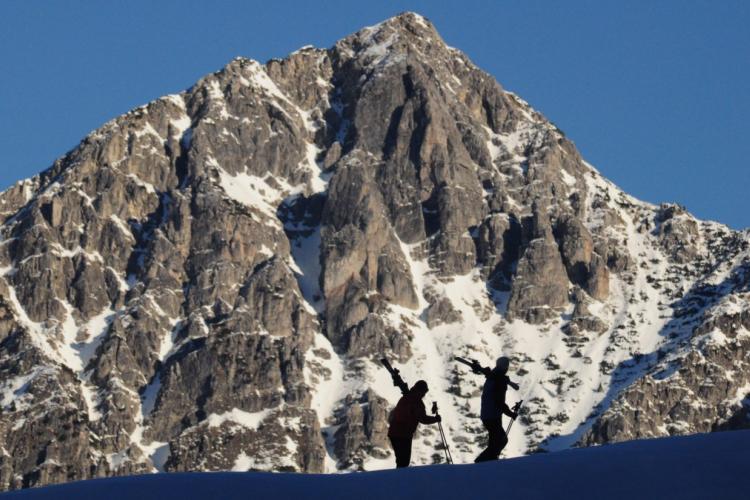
(208, 282)
(705, 466)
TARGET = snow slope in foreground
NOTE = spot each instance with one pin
(701, 466)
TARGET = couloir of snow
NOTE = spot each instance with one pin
(693, 467)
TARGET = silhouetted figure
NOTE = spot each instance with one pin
(493, 407)
(409, 413)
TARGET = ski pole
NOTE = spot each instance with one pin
(446, 449)
(440, 428)
(516, 407)
(448, 457)
(445, 443)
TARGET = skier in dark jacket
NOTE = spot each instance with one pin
(409, 413)
(493, 408)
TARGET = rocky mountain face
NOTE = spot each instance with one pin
(207, 282)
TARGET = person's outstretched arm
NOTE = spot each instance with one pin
(424, 418)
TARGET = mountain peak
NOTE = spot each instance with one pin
(408, 23)
(397, 37)
(208, 281)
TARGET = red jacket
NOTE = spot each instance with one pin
(409, 413)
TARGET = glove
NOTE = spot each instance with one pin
(438, 419)
(515, 415)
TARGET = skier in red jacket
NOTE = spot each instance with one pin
(409, 413)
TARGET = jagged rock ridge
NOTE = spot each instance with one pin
(206, 282)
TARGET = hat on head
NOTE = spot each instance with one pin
(420, 386)
(502, 363)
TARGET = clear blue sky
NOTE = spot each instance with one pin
(654, 93)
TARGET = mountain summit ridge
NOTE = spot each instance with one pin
(208, 281)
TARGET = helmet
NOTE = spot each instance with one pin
(502, 364)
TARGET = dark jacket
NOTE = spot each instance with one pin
(493, 396)
(409, 413)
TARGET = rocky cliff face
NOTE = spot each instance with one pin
(207, 282)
